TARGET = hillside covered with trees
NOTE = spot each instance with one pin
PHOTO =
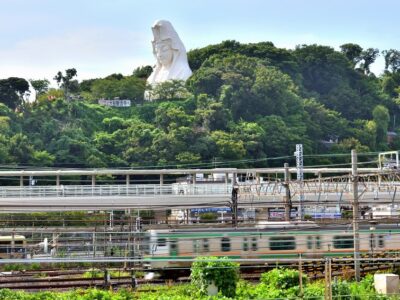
(244, 102)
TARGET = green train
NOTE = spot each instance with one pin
(175, 248)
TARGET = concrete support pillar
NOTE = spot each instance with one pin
(93, 180)
(128, 179)
(226, 178)
(161, 179)
(58, 180)
(21, 181)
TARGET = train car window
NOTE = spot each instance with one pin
(309, 242)
(277, 243)
(343, 242)
(225, 244)
(318, 242)
(206, 245)
(245, 244)
(196, 246)
(381, 241)
(4, 247)
(19, 246)
(254, 244)
(161, 242)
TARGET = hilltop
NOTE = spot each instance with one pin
(244, 104)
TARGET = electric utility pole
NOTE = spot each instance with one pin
(356, 235)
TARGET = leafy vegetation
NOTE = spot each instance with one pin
(97, 273)
(268, 289)
(244, 104)
(215, 270)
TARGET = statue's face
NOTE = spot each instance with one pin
(164, 52)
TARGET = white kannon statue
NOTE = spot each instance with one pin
(170, 54)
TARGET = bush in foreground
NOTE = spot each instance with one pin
(218, 270)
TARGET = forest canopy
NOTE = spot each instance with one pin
(244, 103)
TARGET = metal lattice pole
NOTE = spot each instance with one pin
(300, 176)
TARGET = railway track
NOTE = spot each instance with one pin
(67, 279)
(62, 279)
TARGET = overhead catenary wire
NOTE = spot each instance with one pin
(209, 163)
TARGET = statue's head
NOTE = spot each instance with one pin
(166, 43)
(170, 54)
(164, 52)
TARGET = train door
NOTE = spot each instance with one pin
(254, 245)
(205, 246)
(196, 247)
(249, 245)
(173, 247)
(313, 245)
(376, 243)
(245, 245)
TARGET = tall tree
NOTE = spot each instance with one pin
(368, 57)
(142, 72)
(66, 82)
(41, 86)
(12, 91)
(392, 60)
(352, 52)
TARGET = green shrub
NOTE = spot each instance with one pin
(341, 290)
(219, 270)
(208, 217)
(307, 217)
(364, 290)
(93, 273)
(314, 291)
(281, 278)
(246, 290)
(97, 273)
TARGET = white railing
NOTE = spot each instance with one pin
(149, 190)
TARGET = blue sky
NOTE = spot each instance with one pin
(99, 37)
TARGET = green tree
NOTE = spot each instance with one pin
(168, 90)
(280, 138)
(186, 158)
(366, 132)
(41, 86)
(392, 60)
(382, 119)
(211, 114)
(352, 52)
(368, 57)
(348, 144)
(142, 72)
(323, 123)
(130, 87)
(66, 82)
(20, 149)
(389, 85)
(12, 91)
(169, 115)
(228, 145)
(253, 136)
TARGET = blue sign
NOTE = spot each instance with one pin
(210, 209)
(327, 215)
